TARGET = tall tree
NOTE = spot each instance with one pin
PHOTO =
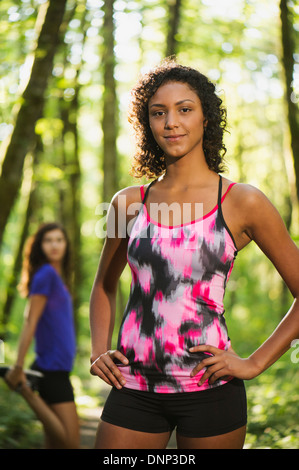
(71, 209)
(174, 20)
(288, 46)
(110, 117)
(23, 137)
(11, 291)
(110, 106)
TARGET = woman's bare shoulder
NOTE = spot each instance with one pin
(127, 196)
(256, 213)
(246, 195)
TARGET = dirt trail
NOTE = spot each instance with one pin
(88, 427)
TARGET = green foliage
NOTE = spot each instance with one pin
(237, 44)
(19, 428)
(272, 405)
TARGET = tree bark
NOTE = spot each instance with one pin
(288, 48)
(110, 106)
(174, 20)
(70, 196)
(14, 278)
(23, 136)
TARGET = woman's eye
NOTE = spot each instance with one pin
(162, 113)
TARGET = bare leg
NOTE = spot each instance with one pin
(67, 414)
(60, 421)
(231, 440)
(116, 437)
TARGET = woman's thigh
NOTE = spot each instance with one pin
(67, 415)
(110, 436)
(230, 440)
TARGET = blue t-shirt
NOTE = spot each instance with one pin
(55, 343)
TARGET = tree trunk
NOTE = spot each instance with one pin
(23, 137)
(110, 115)
(11, 291)
(288, 48)
(73, 218)
(110, 106)
(174, 20)
(14, 278)
(71, 161)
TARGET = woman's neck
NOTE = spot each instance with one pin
(184, 174)
(57, 266)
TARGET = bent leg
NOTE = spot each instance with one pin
(231, 440)
(60, 421)
(110, 436)
(67, 415)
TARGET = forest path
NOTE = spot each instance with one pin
(90, 417)
(88, 427)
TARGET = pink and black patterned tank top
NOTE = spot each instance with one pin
(179, 275)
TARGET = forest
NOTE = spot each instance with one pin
(66, 71)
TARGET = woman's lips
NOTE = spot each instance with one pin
(173, 138)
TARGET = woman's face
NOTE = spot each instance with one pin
(54, 245)
(176, 119)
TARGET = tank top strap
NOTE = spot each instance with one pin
(219, 191)
(220, 197)
(145, 194)
(219, 212)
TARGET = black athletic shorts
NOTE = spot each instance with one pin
(55, 386)
(195, 414)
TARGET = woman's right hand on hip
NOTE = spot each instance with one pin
(105, 368)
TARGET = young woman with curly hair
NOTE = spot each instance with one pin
(48, 320)
(174, 366)
(150, 158)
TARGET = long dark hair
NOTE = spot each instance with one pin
(149, 159)
(34, 257)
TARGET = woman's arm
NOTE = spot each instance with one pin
(266, 228)
(102, 312)
(34, 310)
(103, 296)
(263, 224)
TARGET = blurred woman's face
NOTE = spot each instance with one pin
(54, 245)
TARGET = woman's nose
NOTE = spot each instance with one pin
(171, 120)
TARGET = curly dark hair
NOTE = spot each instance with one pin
(149, 159)
(34, 257)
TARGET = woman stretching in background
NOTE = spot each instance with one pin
(49, 319)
